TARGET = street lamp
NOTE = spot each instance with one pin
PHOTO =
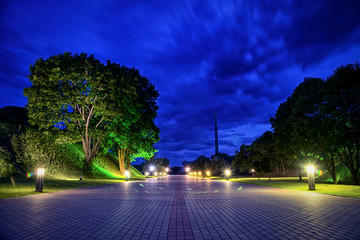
(187, 169)
(227, 174)
(208, 174)
(199, 174)
(253, 172)
(166, 169)
(147, 174)
(155, 173)
(311, 178)
(40, 179)
(127, 175)
(152, 168)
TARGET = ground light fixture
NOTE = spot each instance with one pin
(147, 174)
(311, 178)
(127, 175)
(227, 174)
(208, 174)
(40, 179)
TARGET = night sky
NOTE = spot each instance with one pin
(240, 58)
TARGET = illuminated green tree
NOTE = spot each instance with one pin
(134, 134)
(77, 98)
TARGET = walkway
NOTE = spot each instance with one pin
(180, 207)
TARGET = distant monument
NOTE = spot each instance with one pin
(216, 136)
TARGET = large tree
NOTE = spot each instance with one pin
(133, 135)
(341, 111)
(77, 98)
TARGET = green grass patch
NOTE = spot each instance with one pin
(26, 186)
(294, 184)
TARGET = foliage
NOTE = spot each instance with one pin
(77, 98)
(6, 166)
(321, 121)
(133, 134)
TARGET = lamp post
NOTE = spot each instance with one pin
(311, 178)
(227, 174)
(40, 179)
(152, 168)
(127, 175)
(147, 174)
(253, 172)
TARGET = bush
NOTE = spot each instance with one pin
(6, 166)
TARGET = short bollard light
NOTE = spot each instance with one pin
(40, 179)
(199, 174)
(147, 174)
(127, 175)
(311, 178)
(253, 172)
(188, 169)
(208, 174)
(156, 174)
(227, 174)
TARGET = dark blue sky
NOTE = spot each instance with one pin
(240, 58)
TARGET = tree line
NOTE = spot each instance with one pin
(319, 123)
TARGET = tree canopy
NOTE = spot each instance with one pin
(77, 98)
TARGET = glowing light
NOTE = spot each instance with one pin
(227, 173)
(146, 173)
(311, 169)
(188, 169)
(28, 175)
(208, 173)
(41, 171)
(252, 170)
(199, 173)
(127, 174)
(152, 168)
(156, 173)
(166, 169)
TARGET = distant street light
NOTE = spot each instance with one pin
(147, 174)
(40, 179)
(208, 174)
(127, 175)
(311, 178)
(156, 173)
(227, 174)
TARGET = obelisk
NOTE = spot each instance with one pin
(216, 136)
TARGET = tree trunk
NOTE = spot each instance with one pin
(121, 157)
(331, 169)
(355, 177)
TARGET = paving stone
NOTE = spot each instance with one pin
(180, 207)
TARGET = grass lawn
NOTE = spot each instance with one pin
(294, 184)
(26, 186)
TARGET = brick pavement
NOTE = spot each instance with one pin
(180, 207)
